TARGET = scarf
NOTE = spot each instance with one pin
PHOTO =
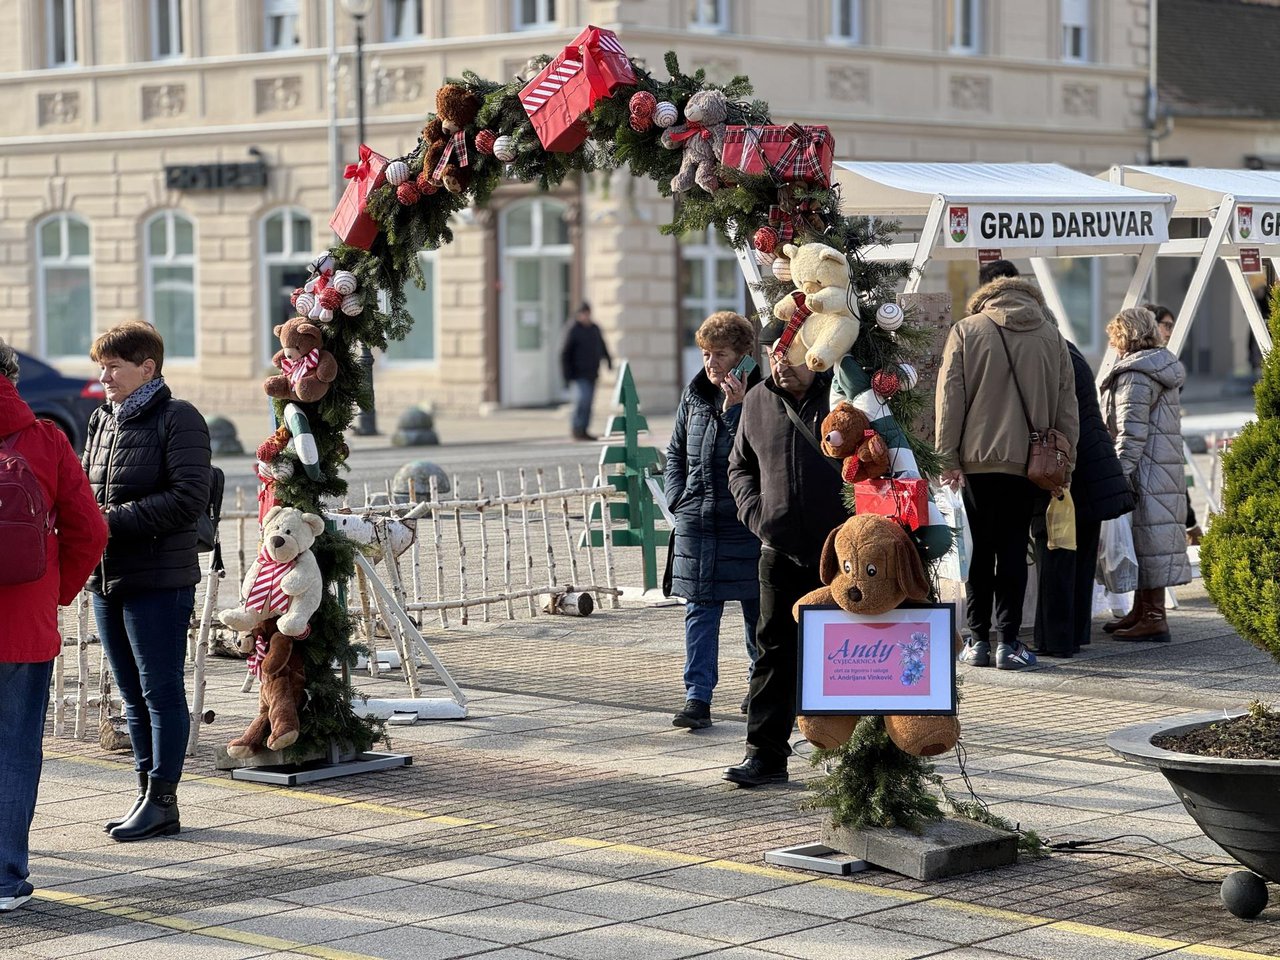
(296, 370)
(134, 401)
(266, 592)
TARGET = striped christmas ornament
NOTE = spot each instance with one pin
(665, 114)
(408, 194)
(485, 140)
(765, 239)
(642, 104)
(782, 269)
(352, 305)
(641, 124)
(344, 281)
(889, 316)
(764, 259)
(504, 148)
(397, 172)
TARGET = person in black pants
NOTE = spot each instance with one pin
(789, 496)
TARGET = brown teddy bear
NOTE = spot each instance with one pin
(445, 137)
(281, 690)
(307, 368)
(870, 565)
(847, 436)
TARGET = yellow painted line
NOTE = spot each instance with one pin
(654, 853)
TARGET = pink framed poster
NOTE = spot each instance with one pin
(899, 662)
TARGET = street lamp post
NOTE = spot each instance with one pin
(367, 421)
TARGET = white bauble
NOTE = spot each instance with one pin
(665, 114)
(504, 148)
(764, 259)
(344, 281)
(304, 303)
(352, 305)
(889, 316)
(782, 269)
(908, 376)
(397, 172)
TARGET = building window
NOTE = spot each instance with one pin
(60, 26)
(710, 280)
(534, 14)
(166, 29)
(964, 25)
(846, 21)
(286, 251)
(280, 30)
(65, 286)
(1079, 282)
(1075, 30)
(419, 344)
(171, 282)
(403, 19)
(709, 14)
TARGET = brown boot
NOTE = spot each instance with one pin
(1130, 619)
(1152, 627)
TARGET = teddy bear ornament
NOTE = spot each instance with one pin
(701, 137)
(306, 368)
(821, 318)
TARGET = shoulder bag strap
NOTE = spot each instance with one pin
(1013, 373)
(808, 435)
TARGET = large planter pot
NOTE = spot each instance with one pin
(1235, 802)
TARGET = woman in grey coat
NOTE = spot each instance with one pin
(1140, 405)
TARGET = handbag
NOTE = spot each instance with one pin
(1049, 452)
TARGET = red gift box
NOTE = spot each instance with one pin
(788, 153)
(906, 501)
(587, 71)
(349, 221)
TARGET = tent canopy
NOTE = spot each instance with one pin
(1199, 190)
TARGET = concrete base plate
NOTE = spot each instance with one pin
(946, 848)
(295, 774)
(817, 857)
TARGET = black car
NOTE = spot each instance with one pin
(67, 401)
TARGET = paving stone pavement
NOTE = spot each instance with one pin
(565, 817)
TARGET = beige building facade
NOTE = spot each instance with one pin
(123, 114)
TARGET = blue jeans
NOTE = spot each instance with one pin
(144, 636)
(584, 392)
(24, 701)
(702, 645)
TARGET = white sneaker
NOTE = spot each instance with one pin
(13, 903)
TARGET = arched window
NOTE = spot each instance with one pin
(65, 286)
(286, 251)
(171, 281)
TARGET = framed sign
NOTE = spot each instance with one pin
(899, 662)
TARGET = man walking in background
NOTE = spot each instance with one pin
(580, 356)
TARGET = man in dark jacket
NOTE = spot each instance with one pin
(580, 357)
(788, 495)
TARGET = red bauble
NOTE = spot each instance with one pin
(484, 142)
(641, 124)
(407, 194)
(293, 299)
(885, 383)
(766, 239)
(330, 298)
(642, 105)
(426, 186)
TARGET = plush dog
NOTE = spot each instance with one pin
(446, 139)
(821, 273)
(701, 137)
(869, 565)
(307, 368)
(281, 691)
(847, 436)
(284, 581)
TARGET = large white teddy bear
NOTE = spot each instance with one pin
(284, 581)
(822, 275)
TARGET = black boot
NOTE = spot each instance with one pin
(157, 817)
(142, 795)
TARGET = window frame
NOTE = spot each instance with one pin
(1096, 322)
(708, 253)
(385, 359)
(171, 259)
(64, 260)
(388, 22)
(1081, 22)
(546, 17)
(855, 36)
(955, 17)
(70, 38)
(721, 22)
(289, 257)
(177, 45)
(281, 8)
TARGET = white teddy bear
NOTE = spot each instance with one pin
(822, 275)
(284, 581)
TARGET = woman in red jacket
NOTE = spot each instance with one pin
(29, 639)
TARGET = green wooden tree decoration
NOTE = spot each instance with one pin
(635, 516)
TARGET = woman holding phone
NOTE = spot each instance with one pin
(713, 558)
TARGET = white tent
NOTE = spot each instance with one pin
(1243, 210)
(1035, 210)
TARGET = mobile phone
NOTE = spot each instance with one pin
(744, 368)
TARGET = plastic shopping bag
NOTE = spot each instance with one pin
(1106, 603)
(1117, 561)
(955, 563)
(1060, 519)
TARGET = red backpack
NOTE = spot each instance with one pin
(25, 518)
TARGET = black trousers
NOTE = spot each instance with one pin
(1000, 507)
(771, 714)
(1064, 607)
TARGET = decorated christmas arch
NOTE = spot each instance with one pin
(716, 149)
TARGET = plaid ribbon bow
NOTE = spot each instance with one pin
(266, 592)
(457, 144)
(296, 370)
(800, 160)
(691, 129)
(782, 222)
(797, 320)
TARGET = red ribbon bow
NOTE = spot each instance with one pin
(358, 171)
(296, 370)
(457, 144)
(691, 129)
(266, 593)
(802, 313)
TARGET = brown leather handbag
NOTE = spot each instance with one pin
(1049, 452)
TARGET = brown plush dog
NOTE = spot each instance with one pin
(870, 565)
(307, 368)
(456, 109)
(847, 436)
(282, 688)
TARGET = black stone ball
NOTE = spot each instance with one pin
(1244, 893)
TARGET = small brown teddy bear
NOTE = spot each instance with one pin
(307, 368)
(870, 565)
(847, 436)
(701, 137)
(281, 691)
(445, 137)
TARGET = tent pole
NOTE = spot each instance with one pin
(928, 237)
(1052, 296)
(1141, 274)
(1200, 279)
(1250, 304)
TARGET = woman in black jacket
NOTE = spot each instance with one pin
(714, 557)
(1064, 610)
(147, 458)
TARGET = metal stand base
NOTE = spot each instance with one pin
(816, 857)
(292, 775)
